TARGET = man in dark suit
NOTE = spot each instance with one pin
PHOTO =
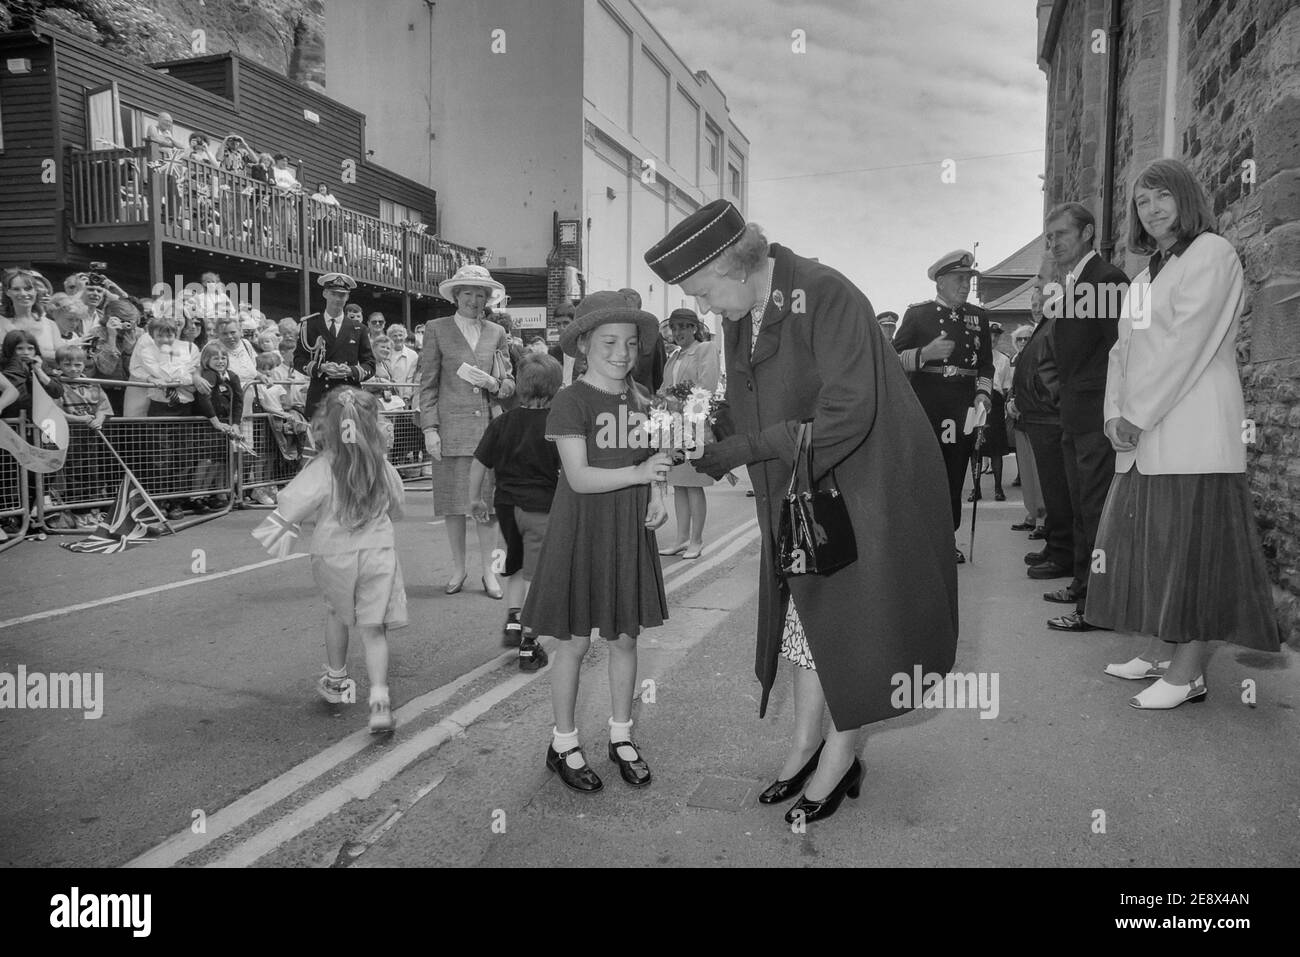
(333, 349)
(1085, 329)
(1036, 399)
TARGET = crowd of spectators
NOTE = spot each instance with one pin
(203, 356)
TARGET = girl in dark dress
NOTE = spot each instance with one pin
(599, 566)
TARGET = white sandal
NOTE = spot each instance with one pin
(1162, 696)
(1138, 669)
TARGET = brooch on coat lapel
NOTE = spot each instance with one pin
(778, 299)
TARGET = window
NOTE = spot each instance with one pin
(734, 175)
(390, 212)
(104, 117)
(714, 140)
(141, 120)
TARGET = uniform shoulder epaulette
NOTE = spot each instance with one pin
(923, 302)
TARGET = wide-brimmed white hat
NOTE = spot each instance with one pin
(472, 276)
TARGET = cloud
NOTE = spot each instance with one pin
(889, 90)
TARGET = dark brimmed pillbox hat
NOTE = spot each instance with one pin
(696, 241)
(600, 308)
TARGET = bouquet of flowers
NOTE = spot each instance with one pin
(681, 421)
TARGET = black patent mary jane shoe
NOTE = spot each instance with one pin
(783, 790)
(806, 810)
(578, 779)
(635, 772)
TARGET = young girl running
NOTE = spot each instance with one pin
(352, 494)
(599, 565)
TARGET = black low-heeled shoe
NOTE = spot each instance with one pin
(579, 779)
(635, 772)
(783, 790)
(850, 784)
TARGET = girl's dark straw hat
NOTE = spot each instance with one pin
(600, 308)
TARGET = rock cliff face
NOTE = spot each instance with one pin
(285, 35)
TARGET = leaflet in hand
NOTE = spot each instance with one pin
(976, 417)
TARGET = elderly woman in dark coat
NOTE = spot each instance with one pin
(802, 344)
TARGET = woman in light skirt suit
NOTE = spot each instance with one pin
(463, 371)
(695, 362)
(1178, 557)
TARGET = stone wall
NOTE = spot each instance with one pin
(1237, 102)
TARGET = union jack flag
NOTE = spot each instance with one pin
(170, 167)
(134, 521)
(277, 534)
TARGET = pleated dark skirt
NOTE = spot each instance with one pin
(599, 567)
(1183, 561)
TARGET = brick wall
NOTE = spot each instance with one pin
(1238, 100)
(562, 256)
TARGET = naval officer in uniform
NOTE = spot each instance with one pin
(946, 350)
(332, 349)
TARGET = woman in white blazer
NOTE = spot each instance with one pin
(1177, 557)
(696, 363)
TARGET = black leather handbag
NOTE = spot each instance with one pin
(815, 534)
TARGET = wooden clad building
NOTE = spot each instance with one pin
(79, 183)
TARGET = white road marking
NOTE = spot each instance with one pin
(365, 782)
(201, 579)
(370, 778)
(255, 802)
(710, 548)
(152, 590)
(143, 592)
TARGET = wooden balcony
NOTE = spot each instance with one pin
(136, 195)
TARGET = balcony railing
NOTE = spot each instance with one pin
(117, 193)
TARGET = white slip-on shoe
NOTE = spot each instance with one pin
(1162, 696)
(1138, 669)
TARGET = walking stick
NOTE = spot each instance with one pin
(975, 483)
(162, 517)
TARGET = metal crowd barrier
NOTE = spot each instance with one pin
(13, 491)
(174, 458)
(268, 466)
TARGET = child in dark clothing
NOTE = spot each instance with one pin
(20, 362)
(227, 397)
(527, 467)
(86, 403)
(225, 405)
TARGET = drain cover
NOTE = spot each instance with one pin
(721, 794)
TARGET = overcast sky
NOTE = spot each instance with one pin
(900, 84)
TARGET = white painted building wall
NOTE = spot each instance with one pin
(514, 109)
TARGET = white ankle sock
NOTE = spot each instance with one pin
(567, 741)
(337, 674)
(378, 693)
(622, 731)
